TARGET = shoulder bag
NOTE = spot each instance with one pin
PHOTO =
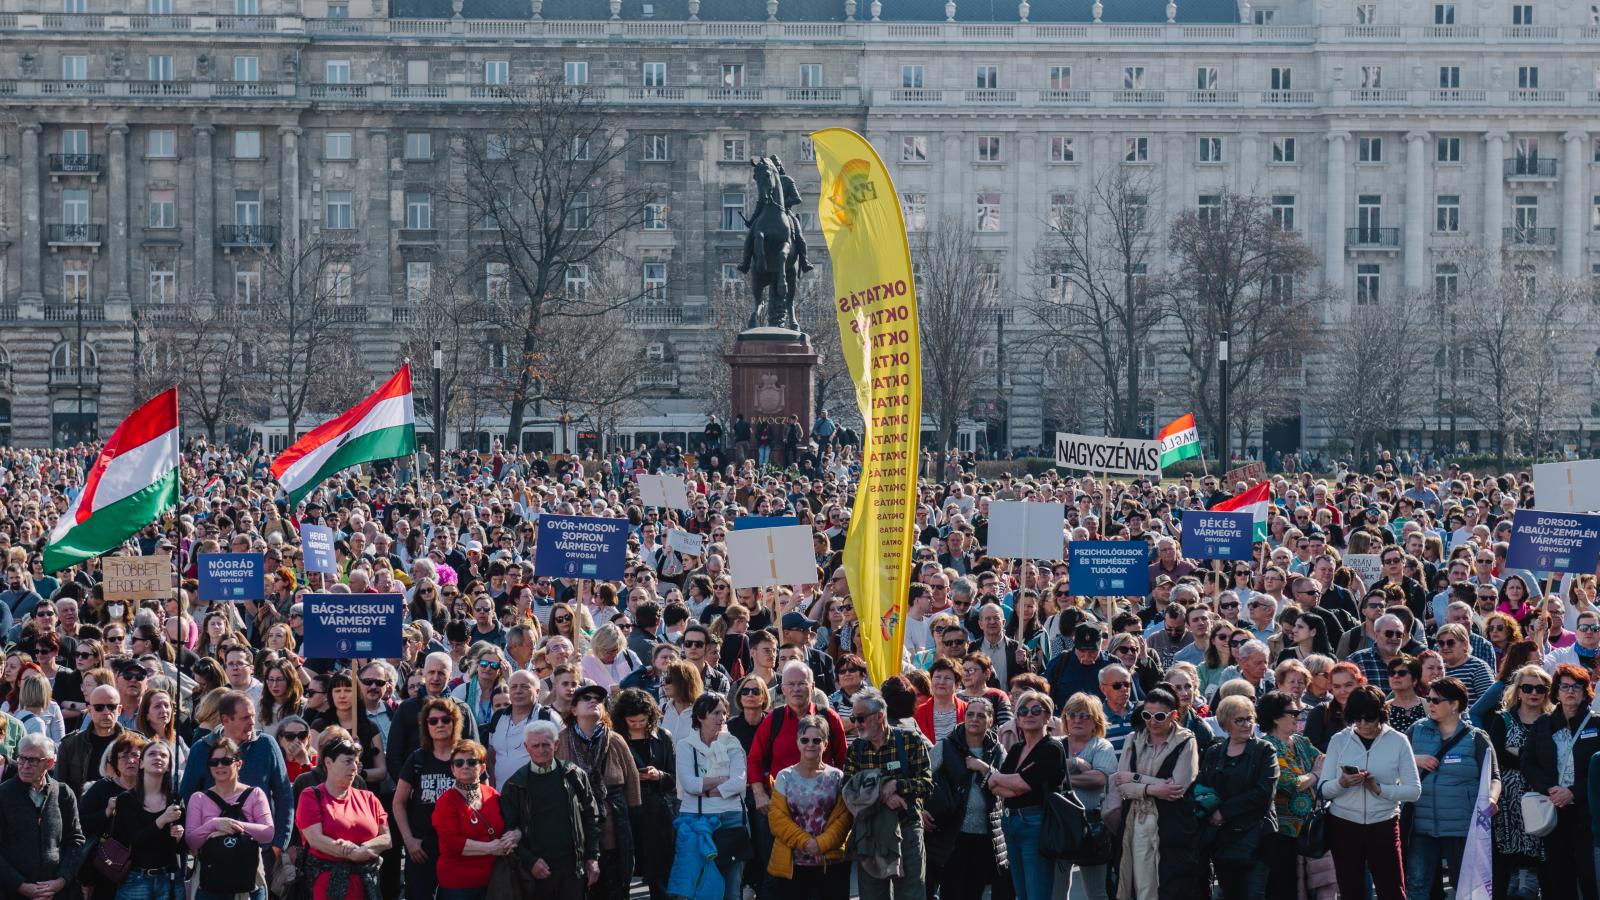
(112, 858)
(732, 841)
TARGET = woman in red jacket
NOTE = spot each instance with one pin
(941, 713)
(471, 830)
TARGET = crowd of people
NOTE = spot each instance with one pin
(1274, 727)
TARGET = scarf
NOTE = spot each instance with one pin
(589, 751)
(339, 872)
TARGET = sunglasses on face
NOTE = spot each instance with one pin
(1033, 710)
(809, 741)
(293, 735)
(1149, 716)
(692, 645)
(1117, 685)
(438, 720)
(103, 707)
(467, 763)
(218, 762)
(1533, 689)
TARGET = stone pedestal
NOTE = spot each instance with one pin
(773, 379)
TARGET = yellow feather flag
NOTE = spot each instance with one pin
(877, 306)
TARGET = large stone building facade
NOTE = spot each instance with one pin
(148, 151)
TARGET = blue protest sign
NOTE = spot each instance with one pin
(346, 626)
(1544, 541)
(316, 542)
(581, 547)
(1109, 568)
(232, 576)
(1208, 534)
(744, 522)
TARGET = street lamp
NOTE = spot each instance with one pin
(77, 314)
(1222, 407)
(438, 410)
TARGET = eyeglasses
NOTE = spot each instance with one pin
(1570, 687)
(1393, 634)
(1393, 561)
(374, 682)
(1149, 716)
(1079, 716)
(220, 762)
(31, 760)
(134, 675)
(957, 642)
(749, 692)
(692, 645)
(103, 707)
(440, 720)
(861, 718)
(1377, 604)
(809, 741)
(1533, 689)
(1236, 643)
(85, 654)
(493, 664)
(465, 763)
(1244, 720)
(1448, 642)
(1232, 604)
(1589, 627)
(1117, 685)
(1399, 673)
(1033, 710)
(561, 620)
(293, 735)
(622, 626)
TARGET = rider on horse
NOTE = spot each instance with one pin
(791, 199)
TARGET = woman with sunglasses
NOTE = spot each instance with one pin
(294, 742)
(119, 772)
(425, 776)
(472, 832)
(655, 756)
(1450, 754)
(1155, 795)
(1218, 657)
(567, 620)
(1369, 771)
(1510, 728)
(809, 822)
(251, 816)
(1294, 797)
(68, 689)
(1564, 739)
(1033, 767)
(1406, 705)
(1240, 775)
(966, 848)
(347, 831)
(348, 710)
(486, 668)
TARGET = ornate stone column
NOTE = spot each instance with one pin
(32, 228)
(1572, 172)
(117, 212)
(1416, 221)
(1333, 215)
(205, 214)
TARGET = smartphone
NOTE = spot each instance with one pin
(1349, 770)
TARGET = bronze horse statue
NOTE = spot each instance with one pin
(773, 255)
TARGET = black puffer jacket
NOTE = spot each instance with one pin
(947, 804)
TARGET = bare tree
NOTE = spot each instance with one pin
(451, 313)
(569, 377)
(958, 293)
(1374, 357)
(1238, 270)
(206, 349)
(548, 184)
(308, 298)
(1095, 295)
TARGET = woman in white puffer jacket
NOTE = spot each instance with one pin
(1368, 772)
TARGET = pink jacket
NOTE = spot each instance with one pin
(201, 822)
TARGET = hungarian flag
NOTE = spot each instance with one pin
(382, 426)
(1255, 501)
(132, 482)
(1179, 440)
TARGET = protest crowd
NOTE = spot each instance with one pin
(1297, 723)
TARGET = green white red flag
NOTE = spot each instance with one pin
(1256, 501)
(1179, 440)
(132, 483)
(383, 426)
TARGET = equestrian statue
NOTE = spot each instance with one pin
(774, 245)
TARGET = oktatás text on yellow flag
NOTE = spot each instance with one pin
(877, 307)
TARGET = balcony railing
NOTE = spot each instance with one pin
(1364, 238)
(75, 163)
(67, 311)
(654, 314)
(657, 379)
(74, 234)
(262, 236)
(1530, 237)
(72, 375)
(1530, 167)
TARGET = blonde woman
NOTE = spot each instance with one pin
(1091, 765)
(609, 660)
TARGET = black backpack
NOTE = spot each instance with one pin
(228, 862)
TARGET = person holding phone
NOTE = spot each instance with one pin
(1369, 771)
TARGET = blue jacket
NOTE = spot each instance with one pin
(694, 867)
(263, 768)
(1450, 792)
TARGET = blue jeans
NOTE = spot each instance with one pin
(1032, 876)
(763, 454)
(144, 886)
(1428, 858)
(733, 873)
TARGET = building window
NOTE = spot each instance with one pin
(1061, 149)
(914, 148)
(578, 211)
(163, 209)
(1283, 149)
(497, 282)
(75, 141)
(161, 143)
(160, 67)
(419, 210)
(911, 77)
(419, 282)
(653, 74)
(1444, 14)
(338, 282)
(576, 282)
(163, 284)
(1209, 209)
(580, 148)
(336, 71)
(986, 78)
(75, 206)
(1366, 13)
(1522, 14)
(1060, 215)
(338, 10)
(246, 282)
(1594, 214)
(1136, 149)
(1447, 213)
(1280, 78)
(419, 145)
(1211, 149)
(735, 148)
(1446, 282)
(914, 208)
(733, 75)
(1447, 150)
(247, 209)
(1133, 78)
(988, 211)
(75, 285)
(1368, 284)
(576, 73)
(246, 68)
(337, 214)
(655, 217)
(336, 145)
(655, 282)
(1283, 210)
(246, 144)
(1449, 77)
(1205, 78)
(1264, 16)
(732, 210)
(74, 67)
(989, 148)
(1528, 77)
(655, 148)
(497, 145)
(496, 71)
(1369, 149)
(1060, 78)
(731, 279)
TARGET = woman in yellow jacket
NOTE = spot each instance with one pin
(809, 823)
